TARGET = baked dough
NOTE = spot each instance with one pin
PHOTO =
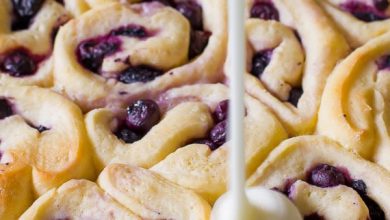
(45, 131)
(15, 186)
(354, 109)
(373, 20)
(31, 43)
(197, 166)
(291, 53)
(167, 42)
(339, 175)
(122, 192)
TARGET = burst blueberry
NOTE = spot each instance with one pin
(18, 63)
(218, 133)
(221, 111)
(198, 42)
(139, 74)
(5, 108)
(24, 11)
(207, 142)
(130, 31)
(92, 52)
(364, 12)
(325, 175)
(260, 61)
(142, 115)
(295, 95)
(127, 135)
(264, 10)
(193, 12)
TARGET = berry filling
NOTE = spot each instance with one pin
(381, 5)
(142, 115)
(221, 111)
(23, 12)
(127, 135)
(217, 135)
(295, 95)
(365, 12)
(139, 74)
(383, 62)
(264, 10)
(91, 53)
(324, 175)
(313, 216)
(20, 62)
(5, 108)
(260, 61)
(199, 41)
(193, 12)
(131, 31)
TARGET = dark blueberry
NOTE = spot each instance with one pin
(139, 74)
(193, 12)
(42, 128)
(127, 135)
(142, 115)
(363, 12)
(295, 95)
(207, 142)
(24, 11)
(265, 11)
(92, 52)
(359, 186)
(221, 111)
(381, 5)
(130, 31)
(5, 108)
(18, 63)
(260, 61)
(325, 175)
(218, 133)
(313, 216)
(376, 212)
(198, 42)
(383, 62)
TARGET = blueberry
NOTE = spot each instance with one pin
(376, 212)
(218, 133)
(381, 5)
(383, 62)
(221, 111)
(130, 31)
(325, 175)
(364, 12)
(127, 135)
(359, 186)
(92, 52)
(5, 108)
(193, 12)
(139, 74)
(24, 11)
(207, 142)
(198, 42)
(142, 115)
(260, 61)
(313, 216)
(265, 11)
(295, 95)
(18, 63)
